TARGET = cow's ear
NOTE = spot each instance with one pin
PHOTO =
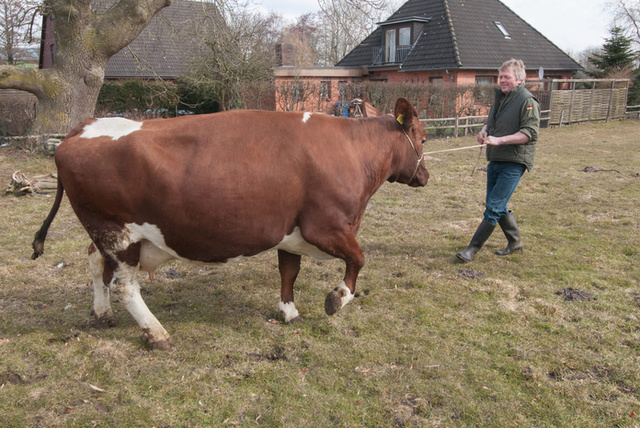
(403, 112)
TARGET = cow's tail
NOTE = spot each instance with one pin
(38, 242)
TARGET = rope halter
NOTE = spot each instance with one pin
(400, 120)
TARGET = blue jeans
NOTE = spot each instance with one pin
(502, 180)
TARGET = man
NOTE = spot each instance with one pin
(510, 135)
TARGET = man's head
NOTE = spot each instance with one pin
(511, 75)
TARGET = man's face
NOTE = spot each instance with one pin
(507, 80)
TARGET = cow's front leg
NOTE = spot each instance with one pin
(289, 266)
(344, 293)
(101, 296)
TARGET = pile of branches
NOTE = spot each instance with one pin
(38, 185)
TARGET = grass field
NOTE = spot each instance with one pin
(426, 342)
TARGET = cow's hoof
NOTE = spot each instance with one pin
(333, 302)
(288, 311)
(107, 320)
(164, 344)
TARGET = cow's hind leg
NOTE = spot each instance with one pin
(121, 271)
(289, 266)
(101, 295)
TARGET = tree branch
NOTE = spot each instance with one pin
(118, 26)
(24, 79)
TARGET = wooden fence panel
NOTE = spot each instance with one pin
(605, 100)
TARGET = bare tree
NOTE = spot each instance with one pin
(85, 40)
(627, 14)
(241, 51)
(16, 30)
(345, 24)
(304, 36)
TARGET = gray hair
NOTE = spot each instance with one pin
(517, 66)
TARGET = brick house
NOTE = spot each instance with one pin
(460, 42)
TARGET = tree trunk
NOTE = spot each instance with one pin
(70, 100)
(85, 40)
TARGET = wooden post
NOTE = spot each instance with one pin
(455, 128)
(593, 92)
(613, 84)
(573, 93)
(550, 100)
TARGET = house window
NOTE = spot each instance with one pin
(484, 81)
(404, 36)
(325, 89)
(502, 29)
(397, 43)
(390, 46)
(436, 80)
(297, 91)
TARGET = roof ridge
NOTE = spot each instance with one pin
(454, 40)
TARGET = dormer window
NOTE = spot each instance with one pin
(397, 43)
(503, 30)
(404, 36)
(390, 46)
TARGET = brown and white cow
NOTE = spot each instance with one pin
(210, 188)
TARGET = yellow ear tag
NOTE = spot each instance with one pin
(400, 119)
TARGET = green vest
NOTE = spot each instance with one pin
(506, 117)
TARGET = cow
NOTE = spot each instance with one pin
(209, 188)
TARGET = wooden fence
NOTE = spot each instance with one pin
(568, 101)
(465, 125)
(588, 100)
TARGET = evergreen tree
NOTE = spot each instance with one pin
(616, 54)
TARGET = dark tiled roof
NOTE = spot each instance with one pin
(166, 46)
(462, 34)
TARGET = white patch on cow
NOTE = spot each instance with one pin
(154, 250)
(114, 127)
(288, 310)
(295, 244)
(306, 117)
(348, 295)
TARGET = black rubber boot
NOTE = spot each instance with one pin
(483, 233)
(510, 228)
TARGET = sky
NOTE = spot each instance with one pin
(572, 25)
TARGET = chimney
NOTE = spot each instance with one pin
(284, 55)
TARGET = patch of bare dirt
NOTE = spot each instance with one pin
(10, 377)
(470, 274)
(276, 355)
(575, 295)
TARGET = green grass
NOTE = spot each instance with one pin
(420, 345)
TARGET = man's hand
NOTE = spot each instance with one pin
(482, 135)
(490, 140)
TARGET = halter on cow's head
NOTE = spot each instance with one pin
(414, 172)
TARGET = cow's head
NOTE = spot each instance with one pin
(412, 170)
